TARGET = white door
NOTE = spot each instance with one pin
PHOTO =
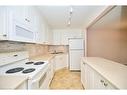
(75, 59)
(76, 44)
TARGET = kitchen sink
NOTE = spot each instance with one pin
(125, 64)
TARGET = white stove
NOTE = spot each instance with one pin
(34, 70)
(22, 64)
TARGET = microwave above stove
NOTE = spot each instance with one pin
(21, 32)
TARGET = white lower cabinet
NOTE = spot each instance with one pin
(61, 61)
(52, 67)
(54, 64)
(83, 74)
(91, 79)
(101, 83)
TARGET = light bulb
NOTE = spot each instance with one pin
(69, 22)
(71, 10)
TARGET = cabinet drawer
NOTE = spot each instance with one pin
(101, 83)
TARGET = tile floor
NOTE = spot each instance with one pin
(65, 79)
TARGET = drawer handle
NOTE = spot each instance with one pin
(15, 55)
(105, 84)
(27, 20)
(102, 81)
(4, 35)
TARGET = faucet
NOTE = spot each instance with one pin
(54, 51)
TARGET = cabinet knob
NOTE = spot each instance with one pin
(102, 81)
(4, 35)
(15, 55)
(27, 20)
(105, 84)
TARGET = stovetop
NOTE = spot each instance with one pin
(23, 68)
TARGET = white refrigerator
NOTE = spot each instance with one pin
(76, 52)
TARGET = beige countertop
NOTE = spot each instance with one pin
(45, 57)
(114, 72)
(11, 82)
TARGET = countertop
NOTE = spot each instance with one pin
(114, 72)
(45, 57)
(11, 82)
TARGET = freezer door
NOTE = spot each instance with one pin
(75, 59)
(76, 44)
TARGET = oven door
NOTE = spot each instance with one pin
(40, 81)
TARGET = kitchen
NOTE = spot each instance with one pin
(63, 47)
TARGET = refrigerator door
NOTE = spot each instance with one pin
(75, 59)
(76, 44)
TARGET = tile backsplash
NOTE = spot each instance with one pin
(33, 49)
(6, 46)
(36, 49)
(58, 48)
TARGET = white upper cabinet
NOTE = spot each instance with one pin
(3, 23)
(23, 24)
(43, 35)
(18, 13)
(14, 25)
(61, 36)
(57, 37)
(24, 14)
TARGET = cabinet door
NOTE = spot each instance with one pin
(40, 34)
(24, 14)
(110, 86)
(50, 37)
(19, 13)
(30, 16)
(89, 77)
(3, 23)
(101, 83)
(83, 73)
(65, 36)
(52, 62)
(58, 62)
(57, 37)
(61, 61)
(98, 81)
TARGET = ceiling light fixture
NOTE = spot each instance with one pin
(70, 16)
(71, 10)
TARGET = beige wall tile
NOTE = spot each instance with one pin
(33, 49)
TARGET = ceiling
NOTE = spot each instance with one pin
(57, 16)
